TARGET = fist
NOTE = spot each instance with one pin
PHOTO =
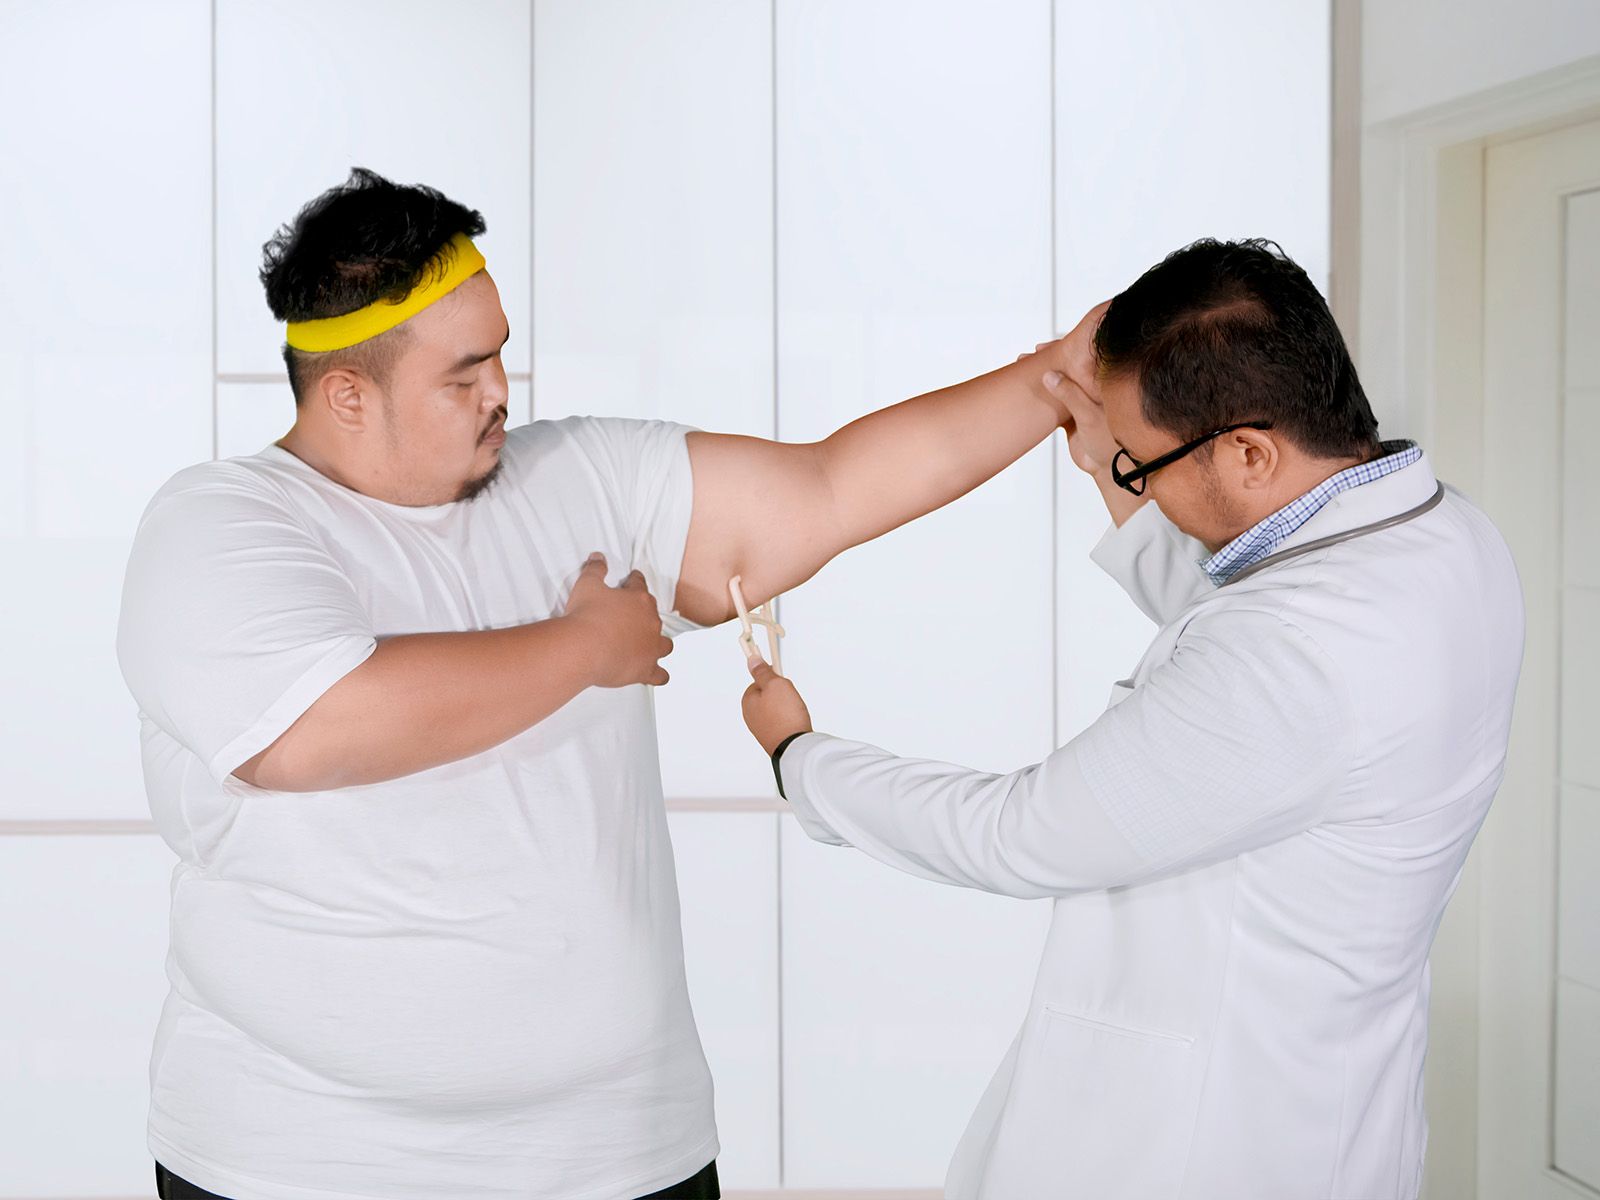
(773, 708)
(623, 626)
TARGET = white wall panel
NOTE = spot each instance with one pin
(1580, 514)
(105, 330)
(1578, 907)
(727, 867)
(307, 89)
(653, 213)
(653, 240)
(1583, 291)
(251, 416)
(69, 730)
(1174, 121)
(900, 998)
(1422, 53)
(1581, 376)
(85, 982)
(105, 367)
(1580, 686)
(913, 252)
(1577, 1085)
(1101, 634)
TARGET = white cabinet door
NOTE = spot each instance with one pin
(900, 998)
(653, 289)
(420, 93)
(84, 982)
(727, 865)
(1174, 121)
(913, 231)
(105, 368)
(914, 252)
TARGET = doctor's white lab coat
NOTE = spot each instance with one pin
(1249, 853)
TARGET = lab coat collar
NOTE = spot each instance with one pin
(1366, 505)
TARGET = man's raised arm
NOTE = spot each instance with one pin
(775, 512)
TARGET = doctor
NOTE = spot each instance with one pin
(1249, 852)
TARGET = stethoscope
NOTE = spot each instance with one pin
(1272, 560)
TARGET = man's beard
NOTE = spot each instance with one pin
(473, 487)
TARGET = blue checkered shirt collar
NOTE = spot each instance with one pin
(1266, 535)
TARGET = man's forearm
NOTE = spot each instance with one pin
(894, 465)
(423, 700)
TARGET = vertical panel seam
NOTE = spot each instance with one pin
(777, 823)
(1563, 261)
(216, 439)
(533, 204)
(1055, 453)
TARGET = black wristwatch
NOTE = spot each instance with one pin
(777, 753)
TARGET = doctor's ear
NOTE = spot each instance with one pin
(1255, 456)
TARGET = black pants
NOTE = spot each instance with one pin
(702, 1185)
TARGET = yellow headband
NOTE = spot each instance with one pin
(461, 261)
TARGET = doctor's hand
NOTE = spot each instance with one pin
(773, 708)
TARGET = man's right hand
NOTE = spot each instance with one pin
(623, 624)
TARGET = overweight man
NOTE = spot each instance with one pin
(1250, 851)
(393, 674)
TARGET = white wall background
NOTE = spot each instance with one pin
(1419, 54)
(761, 216)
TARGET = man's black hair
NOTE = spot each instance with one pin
(365, 240)
(1225, 332)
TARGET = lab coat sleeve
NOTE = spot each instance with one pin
(1154, 562)
(1242, 739)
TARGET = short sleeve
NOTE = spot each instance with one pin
(648, 474)
(235, 618)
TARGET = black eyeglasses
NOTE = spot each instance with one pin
(1132, 480)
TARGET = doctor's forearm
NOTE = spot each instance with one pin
(896, 464)
(1030, 834)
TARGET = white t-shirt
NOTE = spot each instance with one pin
(467, 982)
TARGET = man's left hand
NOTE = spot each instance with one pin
(773, 708)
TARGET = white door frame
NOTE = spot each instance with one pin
(1420, 344)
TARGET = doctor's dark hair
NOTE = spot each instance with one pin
(1223, 332)
(365, 240)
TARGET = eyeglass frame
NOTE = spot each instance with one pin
(1126, 479)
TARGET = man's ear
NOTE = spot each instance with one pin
(345, 393)
(1257, 457)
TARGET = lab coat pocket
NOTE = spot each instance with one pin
(1104, 1111)
(1120, 691)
